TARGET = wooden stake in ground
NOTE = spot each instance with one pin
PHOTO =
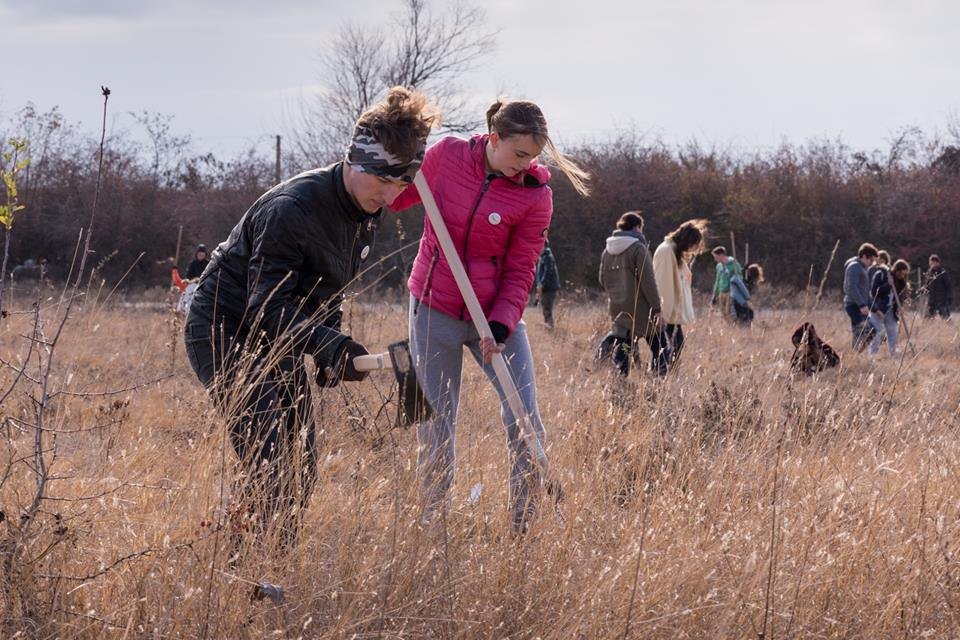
(826, 271)
(175, 320)
(903, 319)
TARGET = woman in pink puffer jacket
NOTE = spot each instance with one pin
(497, 206)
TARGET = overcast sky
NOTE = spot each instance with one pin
(747, 73)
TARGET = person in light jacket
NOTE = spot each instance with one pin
(671, 267)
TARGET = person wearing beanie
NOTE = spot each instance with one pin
(199, 263)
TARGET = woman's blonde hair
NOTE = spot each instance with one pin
(522, 117)
(754, 273)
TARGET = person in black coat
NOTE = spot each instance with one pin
(548, 283)
(199, 263)
(939, 289)
(271, 296)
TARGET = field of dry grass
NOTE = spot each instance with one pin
(728, 501)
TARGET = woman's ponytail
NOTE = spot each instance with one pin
(522, 117)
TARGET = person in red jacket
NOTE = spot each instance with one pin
(495, 201)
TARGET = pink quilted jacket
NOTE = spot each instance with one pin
(496, 224)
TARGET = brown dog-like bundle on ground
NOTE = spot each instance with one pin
(810, 353)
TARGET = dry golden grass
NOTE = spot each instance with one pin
(731, 499)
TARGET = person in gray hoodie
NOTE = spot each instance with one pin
(626, 274)
(856, 294)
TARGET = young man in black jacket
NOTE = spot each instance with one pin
(271, 296)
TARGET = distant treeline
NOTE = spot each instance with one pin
(790, 204)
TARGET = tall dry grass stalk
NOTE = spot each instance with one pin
(670, 528)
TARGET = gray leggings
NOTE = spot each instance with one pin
(436, 343)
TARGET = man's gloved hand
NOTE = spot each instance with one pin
(343, 368)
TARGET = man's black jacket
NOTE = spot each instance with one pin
(286, 263)
(938, 287)
(196, 268)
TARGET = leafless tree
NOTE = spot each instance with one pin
(168, 150)
(419, 49)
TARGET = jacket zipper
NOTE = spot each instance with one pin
(355, 258)
(466, 237)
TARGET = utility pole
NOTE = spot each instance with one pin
(278, 161)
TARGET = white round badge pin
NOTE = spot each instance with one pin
(494, 218)
(365, 252)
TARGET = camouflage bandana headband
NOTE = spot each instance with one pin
(368, 155)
